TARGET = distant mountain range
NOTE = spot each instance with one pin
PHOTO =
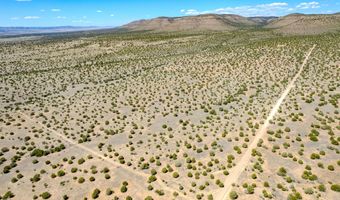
(289, 24)
(10, 31)
(296, 24)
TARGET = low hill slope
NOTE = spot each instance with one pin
(201, 22)
(306, 24)
(262, 20)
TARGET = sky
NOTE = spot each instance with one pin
(44, 13)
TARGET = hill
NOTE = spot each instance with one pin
(306, 24)
(291, 24)
(212, 22)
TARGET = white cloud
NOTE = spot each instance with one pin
(14, 18)
(272, 5)
(308, 5)
(81, 21)
(190, 12)
(31, 17)
(23, 0)
(61, 17)
(112, 15)
(99, 11)
(269, 9)
(55, 10)
(276, 4)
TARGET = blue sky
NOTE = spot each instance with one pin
(118, 12)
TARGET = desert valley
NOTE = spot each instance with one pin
(199, 107)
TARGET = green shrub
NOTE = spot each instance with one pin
(38, 153)
(123, 189)
(81, 180)
(61, 173)
(4, 149)
(322, 188)
(250, 189)
(35, 178)
(294, 196)
(309, 191)
(95, 193)
(152, 178)
(175, 175)
(107, 176)
(335, 187)
(81, 161)
(330, 167)
(8, 195)
(108, 191)
(233, 195)
(282, 171)
(266, 184)
(45, 195)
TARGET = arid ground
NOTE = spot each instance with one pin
(245, 114)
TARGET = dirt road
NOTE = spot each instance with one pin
(241, 165)
(112, 163)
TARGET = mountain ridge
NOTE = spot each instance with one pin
(295, 23)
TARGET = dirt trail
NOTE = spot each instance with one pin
(241, 165)
(106, 159)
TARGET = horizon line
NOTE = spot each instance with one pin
(114, 26)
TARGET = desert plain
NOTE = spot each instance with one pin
(243, 114)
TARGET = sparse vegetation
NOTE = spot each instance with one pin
(97, 116)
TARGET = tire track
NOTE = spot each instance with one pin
(241, 165)
(106, 159)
